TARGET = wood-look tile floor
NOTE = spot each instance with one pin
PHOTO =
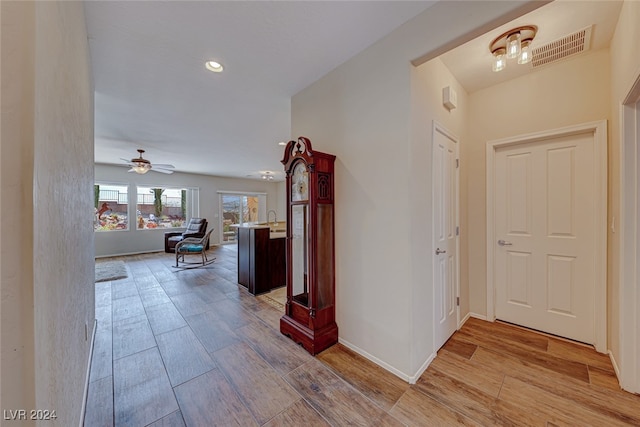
(191, 347)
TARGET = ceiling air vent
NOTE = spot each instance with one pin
(565, 47)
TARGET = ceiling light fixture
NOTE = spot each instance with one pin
(515, 43)
(214, 66)
(140, 165)
(499, 59)
(141, 168)
(267, 176)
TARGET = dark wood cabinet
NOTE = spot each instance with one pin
(310, 309)
(261, 260)
(278, 262)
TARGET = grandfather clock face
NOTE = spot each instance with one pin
(300, 183)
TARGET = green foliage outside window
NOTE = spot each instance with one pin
(157, 200)
(183, 203)
(160, 208)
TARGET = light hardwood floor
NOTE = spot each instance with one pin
(176, 348)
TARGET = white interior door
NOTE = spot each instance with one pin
(445, 231)
(545, 239)
(628, 360)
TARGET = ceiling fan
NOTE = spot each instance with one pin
(141, 165)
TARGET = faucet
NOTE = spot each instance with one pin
(275, 216)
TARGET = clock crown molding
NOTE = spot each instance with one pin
(296, 149)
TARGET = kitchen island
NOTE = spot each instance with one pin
(261, 256)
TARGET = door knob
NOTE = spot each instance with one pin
(438, 251)
(504, 243)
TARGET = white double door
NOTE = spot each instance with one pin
(545, 248)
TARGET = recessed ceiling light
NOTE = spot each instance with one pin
(214, 66)
(282, 143)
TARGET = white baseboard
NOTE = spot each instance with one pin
(411, 379)
(85, 394)
(142, 252)
(464, 320)
(374, 359)
(414, 378)
(615, 366)
(478, 316)
(129, 253)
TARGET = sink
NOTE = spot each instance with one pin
(275, 226)
(278, 227)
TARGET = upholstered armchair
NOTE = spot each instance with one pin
(195, 228)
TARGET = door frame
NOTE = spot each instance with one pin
(629, 245)
(599, 130)
(438, 128)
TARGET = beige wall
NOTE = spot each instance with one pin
(625, 68)
(428, 82)
(362, 119)
(571, 92)
(138, 241)
(16, 193)
(364, 112)
(47, 248)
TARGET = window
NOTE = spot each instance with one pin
(111, 205)
(161, 208)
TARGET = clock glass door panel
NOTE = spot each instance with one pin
(300, 254)
(325, 256)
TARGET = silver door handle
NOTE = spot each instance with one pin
(504, 243)
(438, 251)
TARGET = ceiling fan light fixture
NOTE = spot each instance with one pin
(141, 168)
(140, 165)
(214, 66)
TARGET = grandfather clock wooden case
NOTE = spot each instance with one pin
(309, 317)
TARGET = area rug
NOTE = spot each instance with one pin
(110, 270)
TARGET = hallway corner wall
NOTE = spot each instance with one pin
(47, 234)
(428, 82)
(17, 389)
(625, 67)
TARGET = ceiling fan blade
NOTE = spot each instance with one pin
(159, 165)
(162, 171)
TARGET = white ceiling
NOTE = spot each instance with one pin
(153, 92)
(471, 62)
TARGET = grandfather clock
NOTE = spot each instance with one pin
(309, 317)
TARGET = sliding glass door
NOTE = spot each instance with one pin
(239, 209)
